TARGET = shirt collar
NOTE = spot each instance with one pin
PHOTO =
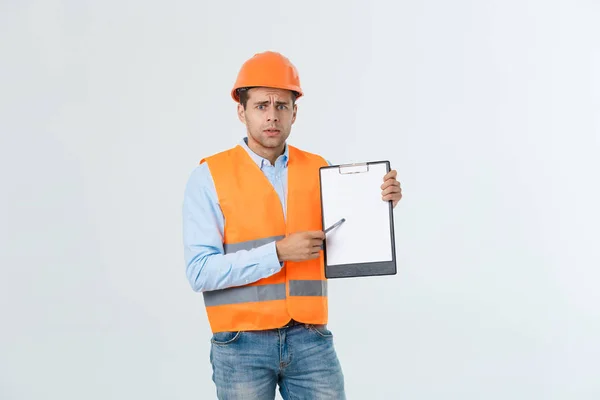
(262, 162)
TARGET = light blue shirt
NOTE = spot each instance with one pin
(207, 267)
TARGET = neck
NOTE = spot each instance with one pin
(268, 153)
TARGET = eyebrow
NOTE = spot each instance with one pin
(267, 102)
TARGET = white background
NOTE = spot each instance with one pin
(489, 110)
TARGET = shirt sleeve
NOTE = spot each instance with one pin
(207, 267)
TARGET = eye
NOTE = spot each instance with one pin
(281, 107)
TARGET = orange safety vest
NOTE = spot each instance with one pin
(254, 217)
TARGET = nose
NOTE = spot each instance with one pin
(272, 115)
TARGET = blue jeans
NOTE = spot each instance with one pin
(301, 359)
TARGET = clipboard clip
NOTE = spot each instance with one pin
(356, 168)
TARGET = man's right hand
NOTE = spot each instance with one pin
(300, 246)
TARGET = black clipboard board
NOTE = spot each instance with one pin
(364, 244)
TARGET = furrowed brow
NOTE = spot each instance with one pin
(266, 102)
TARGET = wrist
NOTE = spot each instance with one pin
(278, 251)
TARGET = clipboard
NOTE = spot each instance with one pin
(364, 244)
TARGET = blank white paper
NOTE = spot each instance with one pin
(365, 235)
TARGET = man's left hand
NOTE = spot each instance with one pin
(391, 189)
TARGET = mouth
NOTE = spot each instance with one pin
(272, 132)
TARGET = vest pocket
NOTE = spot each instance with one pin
(225, 338)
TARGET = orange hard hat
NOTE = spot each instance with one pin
(267, 69)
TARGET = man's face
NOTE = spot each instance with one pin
(268, 116)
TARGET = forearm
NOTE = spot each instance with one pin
(209, 269)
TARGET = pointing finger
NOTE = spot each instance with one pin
(317, 234)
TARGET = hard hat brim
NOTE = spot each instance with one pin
(235, 96)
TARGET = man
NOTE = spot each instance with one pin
(252, 234)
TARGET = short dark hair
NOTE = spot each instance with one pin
(243, 95)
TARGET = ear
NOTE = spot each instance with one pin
(294, 112)
(241, 113)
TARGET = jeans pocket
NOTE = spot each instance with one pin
(321, 330)
(225, 338)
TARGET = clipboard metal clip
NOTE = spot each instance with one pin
(355, 168)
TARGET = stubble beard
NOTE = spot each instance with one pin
(269, 142)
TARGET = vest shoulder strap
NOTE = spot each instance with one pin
(222, 156)
(296, 153)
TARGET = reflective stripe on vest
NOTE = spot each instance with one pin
(250, 244)
(247, 294)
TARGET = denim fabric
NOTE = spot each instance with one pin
(300, 359)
